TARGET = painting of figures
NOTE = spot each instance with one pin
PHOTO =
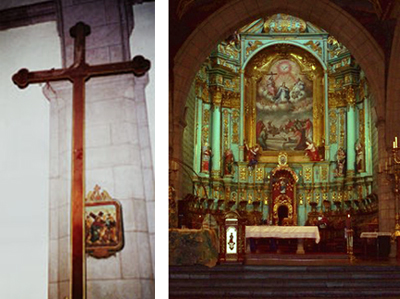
(284, 108)
(103, 227)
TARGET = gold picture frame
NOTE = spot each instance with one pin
(259, 66)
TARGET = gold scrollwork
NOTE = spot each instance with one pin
(260, 173)
(235, 126)
(243, 173)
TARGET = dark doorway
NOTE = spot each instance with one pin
(282, 214)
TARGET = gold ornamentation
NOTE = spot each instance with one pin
(316, 47)
(216, 92)
(342, 131)
(260, 173)
(308, 173)
(226, 128)
(282, 159)
(351, 97)
(235, 126)
(258, 67)
(283, 23)
(324, 173)
(332, 126)
(243, 173)
(252, 46)
(205, 134)
(301, 199)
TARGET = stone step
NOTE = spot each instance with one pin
(239, 281)
(289, 283)
(265, 292)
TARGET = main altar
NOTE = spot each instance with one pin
(278, 132)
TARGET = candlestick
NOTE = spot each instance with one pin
(395, 140)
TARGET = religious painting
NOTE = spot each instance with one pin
(284, 87)
(284, 108)
(103, 225)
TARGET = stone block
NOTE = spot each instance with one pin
(114, 289)
(53, 290)
(116, 53)
(107, 111)
(150, 216)
(98, 55)
(128, 182)
(147, 288)
(128, 216)
(143, 245)
(64, 221)
(130, 256)
(53, 261)
(108, 156)
(125, 132)
(53, 227)
(98, 135)
(63, 290)
(109, 268)
(63, 259)
(91, 13)
(148, 182)
(104, 177)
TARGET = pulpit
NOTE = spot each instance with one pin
(283, 193)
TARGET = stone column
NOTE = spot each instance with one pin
(351, 131)
(216, 97)
(118, 157)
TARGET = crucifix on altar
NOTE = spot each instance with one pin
(78, 73)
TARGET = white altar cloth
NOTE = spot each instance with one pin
(283, 232)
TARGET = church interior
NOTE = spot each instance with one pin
(284, 165)
(77, 156)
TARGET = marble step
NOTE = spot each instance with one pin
(288, 283)
(265, 292)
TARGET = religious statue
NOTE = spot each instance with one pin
(206, 159)
(228, 162)
(252, 155)
(340, 163)
(283, 185)
(359, 157)
(312, 152)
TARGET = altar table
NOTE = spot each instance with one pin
(285, 232)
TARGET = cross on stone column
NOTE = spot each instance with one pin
(78, 73)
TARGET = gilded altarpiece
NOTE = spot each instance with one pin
(284, 102)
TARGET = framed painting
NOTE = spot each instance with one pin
(284, 102)
(103, 225)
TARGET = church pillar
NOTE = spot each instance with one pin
(216, 97)
(351, 131)
(118, 157)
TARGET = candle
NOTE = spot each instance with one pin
(395, 140)
(348, 222)
(394, 144)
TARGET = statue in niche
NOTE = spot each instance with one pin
(359, 156)
(312, 152)
(228, 162)
(340, 163)
(206, 159)
(252, 155)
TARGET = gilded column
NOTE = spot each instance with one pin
(216, 97)
(351, 131)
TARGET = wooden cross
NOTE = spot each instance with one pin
(78, 73)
